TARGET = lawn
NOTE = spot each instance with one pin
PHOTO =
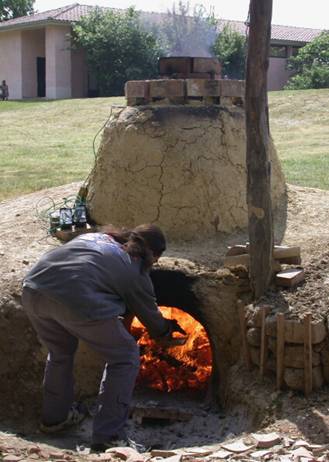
(49, 143)
(299, 126)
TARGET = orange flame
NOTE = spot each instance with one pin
(175, 368)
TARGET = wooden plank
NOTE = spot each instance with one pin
(263, 342)
(243, 330)
(280, 350)
(308, 354)
(290, 277)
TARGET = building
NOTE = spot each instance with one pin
(285, 42)
(36, 58)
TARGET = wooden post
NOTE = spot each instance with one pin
(263, 342)
(243, 329)
(308, 354)
(280, 350)
(258, 163)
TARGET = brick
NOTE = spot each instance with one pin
(266, 440)
(128, 454)
(232, 88)
(136, 89)
(162, 453)
(167, 88)
(12, 458)
(283, 252)
(202, 87)
(175, 65)
(294, 330)
(212, 66)
(290, 277)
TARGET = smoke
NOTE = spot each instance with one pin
(182, 32)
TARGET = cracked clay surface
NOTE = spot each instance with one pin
(180, 167)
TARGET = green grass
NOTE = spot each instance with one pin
(49, 143)
(299, 125)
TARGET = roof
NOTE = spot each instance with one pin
(74, 12)
(65, 14)
(280, 33)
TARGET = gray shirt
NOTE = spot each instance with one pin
(97, 279)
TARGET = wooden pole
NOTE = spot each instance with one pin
(280, 350)
(258, 163)
(308, 354)
(243, 330)
(263, 343)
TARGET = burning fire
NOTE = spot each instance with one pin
(180, 367)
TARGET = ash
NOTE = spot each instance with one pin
(206, 424)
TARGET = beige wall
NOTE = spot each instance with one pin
(33, 46)
(79, 76)
(11, 62)
(58, 62)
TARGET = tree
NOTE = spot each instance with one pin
(230, 49)
(311, 65)
(187, 32)
(10, 9)
(117, 47)
(258, 164)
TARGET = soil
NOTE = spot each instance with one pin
(24, 238)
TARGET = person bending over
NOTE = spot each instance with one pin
(85, 289)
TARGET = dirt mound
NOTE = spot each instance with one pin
(24, 238)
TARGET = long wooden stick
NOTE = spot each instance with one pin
(264, 342)
(280, 350)
(308, 354)
(243, 330)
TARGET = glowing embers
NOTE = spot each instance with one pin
(181, 367)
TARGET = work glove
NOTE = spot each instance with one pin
(167, 340)
(175, 327)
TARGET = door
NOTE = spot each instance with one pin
(41, 77)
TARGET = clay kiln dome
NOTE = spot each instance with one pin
(180, 166)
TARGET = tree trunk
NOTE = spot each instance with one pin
(258, 163)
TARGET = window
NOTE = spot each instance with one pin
(295, 50)
(278, 51)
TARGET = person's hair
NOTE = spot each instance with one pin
(145, 241)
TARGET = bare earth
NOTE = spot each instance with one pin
(24, 239)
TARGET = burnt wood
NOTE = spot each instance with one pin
(260, 221)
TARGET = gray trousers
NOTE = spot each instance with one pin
(60, 331)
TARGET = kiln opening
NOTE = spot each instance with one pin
(176, 368)
(188, 368)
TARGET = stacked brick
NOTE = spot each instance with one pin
(294, 366)
(185, 91)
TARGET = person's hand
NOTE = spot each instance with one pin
(175, 327)
(168, 340)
